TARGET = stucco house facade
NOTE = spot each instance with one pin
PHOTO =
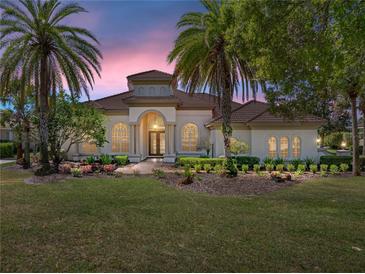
(153, 119)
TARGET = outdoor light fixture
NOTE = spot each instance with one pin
(318, 140)
(343, 145)
(154, 126)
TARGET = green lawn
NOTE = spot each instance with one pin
(140, 225)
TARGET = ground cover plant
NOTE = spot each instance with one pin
(137, 224)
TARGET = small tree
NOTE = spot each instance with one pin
(73, 122)
(238, 147)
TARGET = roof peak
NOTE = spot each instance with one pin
(154, 73)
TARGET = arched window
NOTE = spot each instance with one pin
(296, 144)
(272, 147)
(189, 137)
(284, 147)
(89, 148)
(120, 138)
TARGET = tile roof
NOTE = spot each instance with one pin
(184, 101)
(256, 112)
(150, 75)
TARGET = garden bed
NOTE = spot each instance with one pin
(243, 184)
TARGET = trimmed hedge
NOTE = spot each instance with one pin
(247, 160)
(201, 161)
(338, 160)
(6, 150)
(121, 160)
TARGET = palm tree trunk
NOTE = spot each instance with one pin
(26, 163)
(226, 127)
(43, 119)
(355, 137)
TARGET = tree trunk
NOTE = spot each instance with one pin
(226, 126)
(355, 137)
(43, 119)
(26, 163)
(363, 132)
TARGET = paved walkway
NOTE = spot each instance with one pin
(144, 167)
(5, 161)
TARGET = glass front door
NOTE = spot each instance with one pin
(157, 143)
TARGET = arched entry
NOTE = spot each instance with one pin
(152, 137)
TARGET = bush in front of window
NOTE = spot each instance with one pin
(246, 160)
(191, 161)
(121, 160)
(268, 161)
(296, 162)
(105, 159)
(278, 161)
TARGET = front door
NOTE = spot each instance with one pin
(157, 143)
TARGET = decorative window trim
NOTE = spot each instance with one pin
(189, 142)
(120, 138)
(281, 150)
(296, 147)
(272, 153)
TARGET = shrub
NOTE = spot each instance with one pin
(290, 167)
(86, 169)
(301, 168)
(308, 162)
(197, 168)
(278, 161)
(188, 176)
(257, 168)
(65, 168)
(247, 160)
(6, 150)
(230, 167)
(334, 169)
(191, 161)
(268, 160)
(245, 168)
(76, 172)
(344, 167)
(280, 168)
(158, 173)
(335, 160)
(323, 169)
(121, 160)
(269, 167)
(296, 162)
(313, 168)
(90, 160)
(105, 159)
(108, 168)
(333, 140)
(218, 169)
(207, 168)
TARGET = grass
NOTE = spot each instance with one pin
(140, 225)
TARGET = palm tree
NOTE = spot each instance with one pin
(43, 51)
(206, 60)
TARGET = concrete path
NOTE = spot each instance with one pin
(5, 161)
(145, 167)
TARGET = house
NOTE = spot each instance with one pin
(153, 119)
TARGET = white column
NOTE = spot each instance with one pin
(131, 139)
(138, 141)
(167, 139)
(172, 139)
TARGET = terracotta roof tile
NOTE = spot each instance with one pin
(258, 112)
(150, 75)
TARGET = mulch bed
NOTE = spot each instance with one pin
(243, 184)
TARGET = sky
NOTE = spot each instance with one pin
(134, 36)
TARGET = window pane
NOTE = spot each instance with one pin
(189, 137)
(120, 138)
(272, 147)
(296, 147)
(89, 148)
(284, 147)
